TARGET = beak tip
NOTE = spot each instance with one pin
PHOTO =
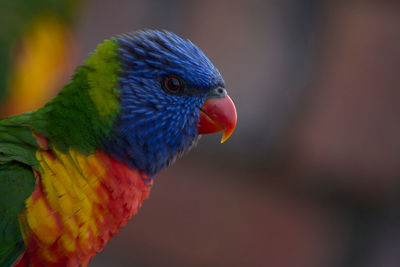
(225, 135)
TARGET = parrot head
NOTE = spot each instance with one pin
(170, 93)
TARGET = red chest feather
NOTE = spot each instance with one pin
(78, 204)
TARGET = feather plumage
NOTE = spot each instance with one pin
(80, 167)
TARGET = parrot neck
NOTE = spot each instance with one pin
(83, 113)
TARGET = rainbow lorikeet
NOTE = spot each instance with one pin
(73, 172)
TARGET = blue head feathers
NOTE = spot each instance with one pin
(164, 82)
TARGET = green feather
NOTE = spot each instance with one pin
(85, 110)
(17, 158)
(17, 183)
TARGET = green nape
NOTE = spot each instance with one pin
(84, 111)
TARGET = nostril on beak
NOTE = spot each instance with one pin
(218, 92)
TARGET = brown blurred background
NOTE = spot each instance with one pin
(311, 177)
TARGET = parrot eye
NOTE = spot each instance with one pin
(172, 84)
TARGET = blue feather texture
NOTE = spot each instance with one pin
(155, 126)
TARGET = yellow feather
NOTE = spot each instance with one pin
(41, 221)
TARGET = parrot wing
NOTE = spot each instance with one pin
(17, 160)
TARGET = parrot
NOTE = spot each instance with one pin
(74, 171)
(36, 39)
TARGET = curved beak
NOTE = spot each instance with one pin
(217, 114)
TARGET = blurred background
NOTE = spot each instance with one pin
(311, 176)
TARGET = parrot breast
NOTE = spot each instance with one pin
(78, 204)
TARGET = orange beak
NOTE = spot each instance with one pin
(218, 114)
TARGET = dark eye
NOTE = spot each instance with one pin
(173, 84)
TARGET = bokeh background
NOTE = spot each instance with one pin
(311, 177)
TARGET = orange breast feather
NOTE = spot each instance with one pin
(78, 204)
